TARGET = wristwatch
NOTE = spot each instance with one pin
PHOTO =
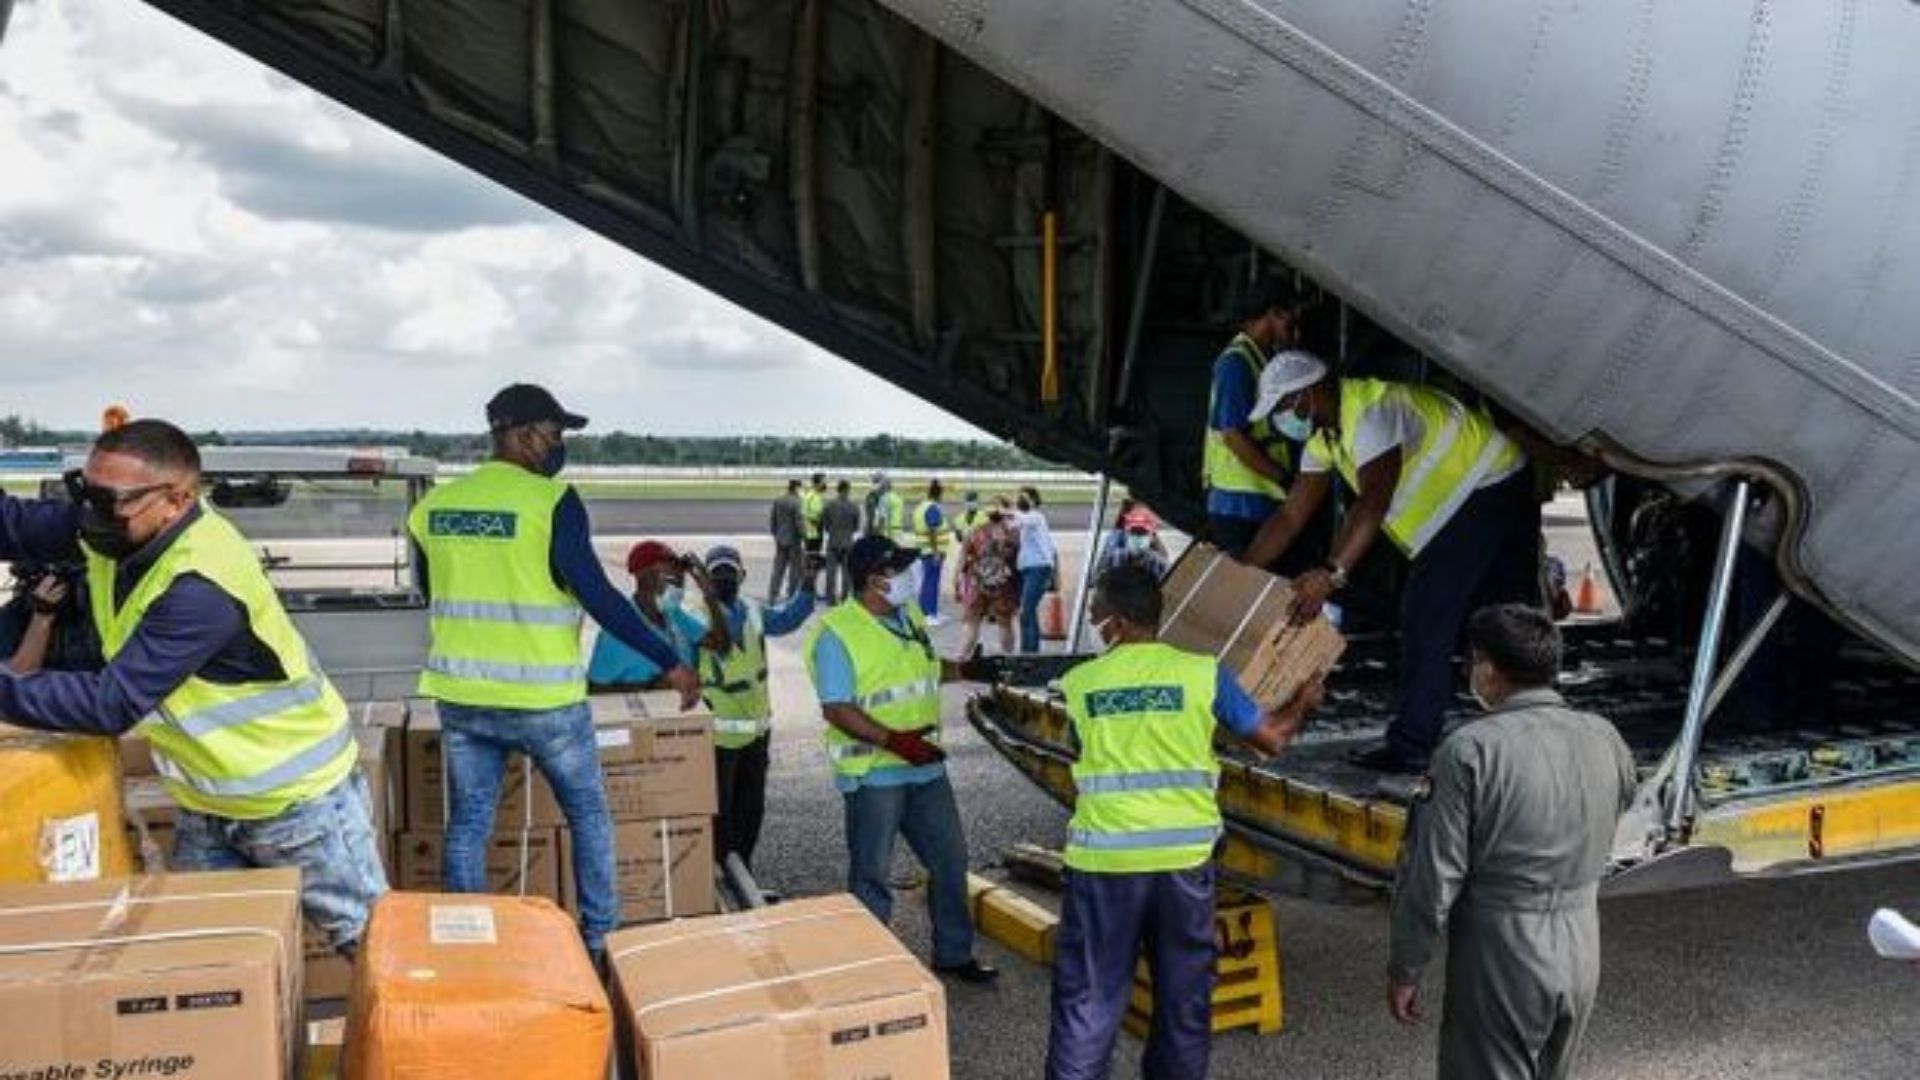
(1336, 575)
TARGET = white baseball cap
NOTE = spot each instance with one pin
(1287, 373)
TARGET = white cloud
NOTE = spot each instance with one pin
(192, 234)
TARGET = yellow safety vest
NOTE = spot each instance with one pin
(505, 635)
(244, 751)
(812, 505)
(1459, 448)
(1147, 773)
(896, 682)
(970, 521)
(932, 539)
(893, 518)
(1220, 470)
(736, 685)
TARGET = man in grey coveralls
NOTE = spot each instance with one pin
(1504, 850)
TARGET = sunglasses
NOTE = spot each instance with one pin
(101, 498)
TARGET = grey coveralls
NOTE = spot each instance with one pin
(1505, 851)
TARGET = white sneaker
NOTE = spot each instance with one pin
(935, 620)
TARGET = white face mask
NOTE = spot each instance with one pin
(1100, 628)
(671, 597)
(1473, 688)
(903, 587)
(1137, 542)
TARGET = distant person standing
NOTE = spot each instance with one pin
(972, 515)
(931, 532)
(987, 566)
(841, 521)
(813, 505)
(1038, 564)
(1134, 540)
(1506, 842)
(787, 522)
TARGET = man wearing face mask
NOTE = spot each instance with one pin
(1506, 842)
(733, 669)
(1444, 484)
(1247, 464)
(508, 559)
(1140, 846)
(249, 736)
(878, 679)
(659, 595)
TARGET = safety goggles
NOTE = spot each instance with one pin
(104, 499)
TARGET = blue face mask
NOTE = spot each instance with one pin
(1294, 426)
(554, 460)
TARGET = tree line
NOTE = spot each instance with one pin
(622, 448)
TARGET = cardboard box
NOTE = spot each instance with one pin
(186, 976)
(662, 869)
(325, 1038)
(60, 816)
(1227, 609)
(655, 766)
(815, 988)
(475, 988)
(525, 800)
(518, 864)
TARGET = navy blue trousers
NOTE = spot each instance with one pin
(1105, 921)
(1489, 553)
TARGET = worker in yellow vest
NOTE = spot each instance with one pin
(248, 734)
(878, 679)
(1444, 484)
(1140, 846)
(732, 656)
(931, 534)
(813, 510)
(508, 559)
(1246, 464)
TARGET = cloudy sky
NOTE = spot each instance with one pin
(186, 232)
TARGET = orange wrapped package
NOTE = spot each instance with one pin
(475, 988)
(60, 809)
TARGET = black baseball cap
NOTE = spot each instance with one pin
(525, 403)
(871, 555)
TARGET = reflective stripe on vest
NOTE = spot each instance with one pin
(1220, 469)
(513, 614)
(896, 683)
(1146, 774)
(504, 633)
(265, 781)
(242, 751)
(1459, 448)
(515, 674)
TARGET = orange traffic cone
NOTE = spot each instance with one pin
(1589, 598)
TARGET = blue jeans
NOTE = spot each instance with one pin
(930, 567)
(1105, 920)
(559, 742)
(329, 837)
(925, 814)
(1034, 582)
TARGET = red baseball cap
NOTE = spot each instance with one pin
(648, 553)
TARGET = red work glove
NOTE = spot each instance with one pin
(913, 748)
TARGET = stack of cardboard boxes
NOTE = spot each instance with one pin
(657, 763)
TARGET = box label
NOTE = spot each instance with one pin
(613, 738)
(461, 924)
(70, 848)
(141, 1006)
(904, 1025)
(208, 999)
(852, 1035)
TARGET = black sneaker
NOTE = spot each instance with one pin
(973, 971)
(1384, 758)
